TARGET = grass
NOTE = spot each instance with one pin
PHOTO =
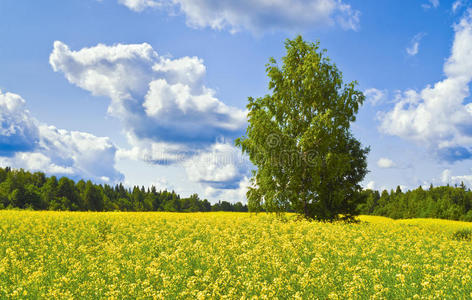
(228, 255)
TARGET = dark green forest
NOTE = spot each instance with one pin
(444, 202)
(26, 190)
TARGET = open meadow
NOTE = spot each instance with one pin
(228, 255)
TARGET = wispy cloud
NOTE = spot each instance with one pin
(375, 96)
(139, 5)
(456, 5)
(413, 49)
(431, 4)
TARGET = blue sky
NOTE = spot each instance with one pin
(154, 91)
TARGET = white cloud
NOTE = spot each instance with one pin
(18, 131)
(166, 103)
(139, 5)
(155, 152)
(222, 167)
(258, 15)
(88, 155)
(413, 49)
(447, 178)
(370, 185)
(437, 116)
(385, 163)
(231, 195)
(162, 184)
(119, 72)
(157, 98)
(456, 5)
(37, 161)
(431, 4)
(375, 96)
(169, 115)
(29, 144)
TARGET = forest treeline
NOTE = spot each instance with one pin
(27, 190)
(444, 202)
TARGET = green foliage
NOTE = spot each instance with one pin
(463, 235)
(25, 190)
(444, 202)
(299, 138)
(92, 197)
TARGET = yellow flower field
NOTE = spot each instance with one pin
(228, 255)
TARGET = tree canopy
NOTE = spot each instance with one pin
(299, 138)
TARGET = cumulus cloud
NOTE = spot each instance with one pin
(169, 115)
(29, 144)
(413, 49)
(18, 131)
(180, 114)
(157, 98)
(439, 116)
(88, 155)
(120, 72)
(258, 15)
(385, 163)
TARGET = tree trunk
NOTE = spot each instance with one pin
(305, 209)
